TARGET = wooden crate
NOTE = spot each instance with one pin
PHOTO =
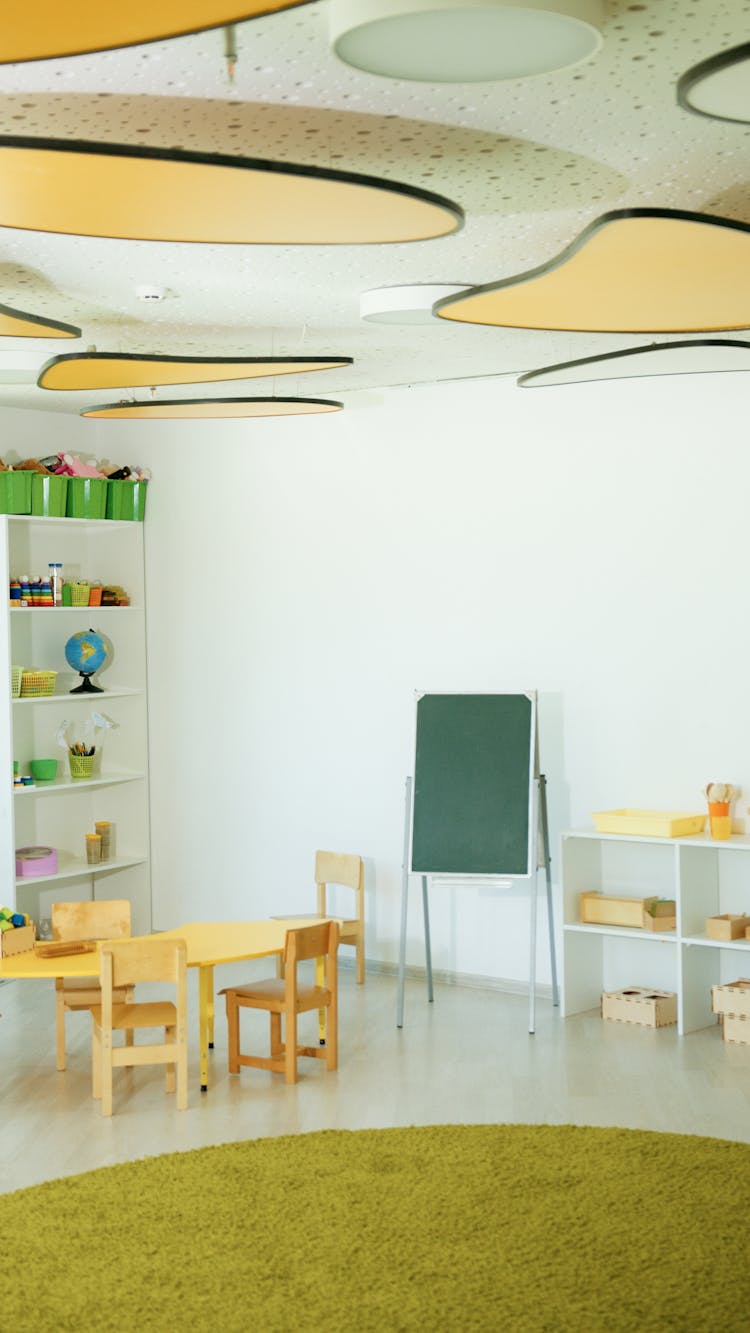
(637, 1004)
(732, 998)
(728, 926)
(610, 909)
(18, 940)
(736, 1029)
(660, 914)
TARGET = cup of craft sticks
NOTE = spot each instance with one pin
(720, 796)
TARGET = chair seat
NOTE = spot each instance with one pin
(347, 929)
(271, 993)
(158, 1014)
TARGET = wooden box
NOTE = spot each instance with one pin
(18, 940)
(736, 1029)
(727, 927)
(637, 1004)
(659, 914)
(732, 998)
(608, 909)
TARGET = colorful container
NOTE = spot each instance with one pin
(15, 492)
(49, 495)
(87, 497)
(127, 500)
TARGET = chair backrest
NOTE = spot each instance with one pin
(339, 868)
(108, 920)
(127, 962)
(310, 942)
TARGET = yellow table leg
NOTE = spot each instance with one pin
(206, 1019)
(320, 980)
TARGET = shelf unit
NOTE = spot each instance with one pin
(704, 877)
(60, 813)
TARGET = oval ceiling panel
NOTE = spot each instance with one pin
(641, 270)
(702, 356)
(211, 408)
(50, 28)
(719, 87)
(126, 192)
(115, 370)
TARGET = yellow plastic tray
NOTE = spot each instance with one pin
(649, 823)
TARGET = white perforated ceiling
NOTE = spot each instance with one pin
(531, 162)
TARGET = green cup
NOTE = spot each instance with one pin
(44, 770)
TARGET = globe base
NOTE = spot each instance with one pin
(86, 687)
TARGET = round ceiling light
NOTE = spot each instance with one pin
(464, 41)
(405, 305)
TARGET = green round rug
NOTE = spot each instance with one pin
(446, 1227)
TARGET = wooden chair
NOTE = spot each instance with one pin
(128, 963)
(346, 869)
(284, 997)
(85, 921)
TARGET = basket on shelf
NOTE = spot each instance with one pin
(81, 765)
(79, 594)
(37, 684)
(15, 681)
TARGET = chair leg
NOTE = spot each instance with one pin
(60, 1029)
(290, 1047)
(277, 1045)
(233, 1032)
(106, 1072)
(182, 1069)
(130, 1032)
(332, 1045)
(96, 1061)
(170, 1076)
(360, 960)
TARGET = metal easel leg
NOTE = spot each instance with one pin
(404, 906)
(532, 955)
(548, 877)
(427, 945)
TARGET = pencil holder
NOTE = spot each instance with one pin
(720, 820)
(81, 765)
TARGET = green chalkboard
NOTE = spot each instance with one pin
(473, 776)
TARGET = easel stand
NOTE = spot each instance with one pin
(542, 842)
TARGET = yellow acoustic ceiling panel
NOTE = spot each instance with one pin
(719, 87)
(18, 324)
(204, 408)
(115, 370)
(699, 357)
(151, 194)
(50, 28)
(641, 270)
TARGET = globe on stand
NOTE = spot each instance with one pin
(88, 652)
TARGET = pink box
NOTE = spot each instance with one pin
(31, 861)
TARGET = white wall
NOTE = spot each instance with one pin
(306, 576)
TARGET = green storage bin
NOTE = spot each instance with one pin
(127, 500)
(49, 495)
(87, 497)
(15, 492)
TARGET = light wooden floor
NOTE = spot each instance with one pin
(466, 1058)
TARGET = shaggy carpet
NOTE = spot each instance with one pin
(449, 1227)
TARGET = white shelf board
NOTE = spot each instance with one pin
(108, 524)
(118, 693)
(705, 943)
(622, 932)
(737, 840)
(74, 867)
(70, 784)
(67, 610)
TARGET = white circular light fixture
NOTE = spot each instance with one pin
(405, 305)
(464, 41)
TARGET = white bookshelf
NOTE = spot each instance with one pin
(704, 877)
(59, 814)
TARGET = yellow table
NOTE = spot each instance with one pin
(209, 943)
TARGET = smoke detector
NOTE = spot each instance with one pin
(148, 293)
